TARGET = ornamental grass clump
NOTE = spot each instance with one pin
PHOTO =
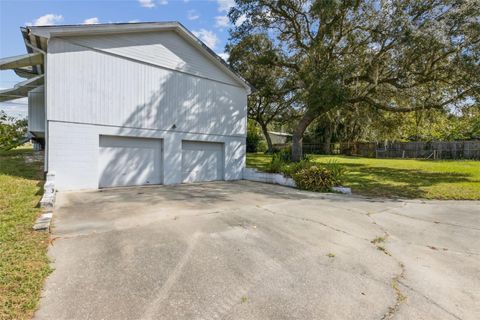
(307, 174)
(337, 172)
(282, 163)
(277, 164)
(291, 168)
(319, 178)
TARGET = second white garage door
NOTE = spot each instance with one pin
(125, 161)
(202, 161)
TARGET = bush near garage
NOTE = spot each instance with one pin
(255, 141)
(12, 131)
(307, 175)
(318, 178)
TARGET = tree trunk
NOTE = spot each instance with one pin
(267, 137)
(297, 138)
(327, 139)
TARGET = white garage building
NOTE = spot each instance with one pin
(131, 104)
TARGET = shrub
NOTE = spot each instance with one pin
(308, 175)
(277, 163)
(12, 131)
(281, 163)
(253, 141)
(317, 178)
(290, 169)
(337, 172)
(285, 153)
(262, 146)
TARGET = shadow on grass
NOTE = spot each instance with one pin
(392, 182)
(258, 160)
(22, 163)
(377, 178)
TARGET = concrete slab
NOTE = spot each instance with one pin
(246, 250)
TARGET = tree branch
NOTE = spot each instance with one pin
(382, 106)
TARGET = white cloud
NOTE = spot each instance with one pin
(192, 15)
(134, 21)
(225, 5)
(163, 2)
(221, 21)
(240, 20)
(224, 55)
(48, 19)
(208, 37)
(15, 108)
(93, 20)
(147, 3)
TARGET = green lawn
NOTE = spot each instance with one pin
(23, 264)
(400, 177)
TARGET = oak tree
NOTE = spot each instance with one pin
(270, 100)
(393, 55)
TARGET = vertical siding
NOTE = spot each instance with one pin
(87, 86)
(166, 49)
(36, 110)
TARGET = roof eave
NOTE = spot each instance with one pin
(93, 29)
(21, 89)
(215, 58)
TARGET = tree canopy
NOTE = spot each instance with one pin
(12, 131)
(270, 100)
(396, 56)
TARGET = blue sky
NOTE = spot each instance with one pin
(205, 18)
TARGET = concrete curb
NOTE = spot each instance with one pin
(278, 178)
(47, 203)
(43, 222)
(265, 177)
(343, 190)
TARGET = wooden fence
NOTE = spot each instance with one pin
(408, 150)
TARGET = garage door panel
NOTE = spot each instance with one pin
(127, 161)
(202, 161)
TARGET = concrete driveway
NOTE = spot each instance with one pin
(246, 250)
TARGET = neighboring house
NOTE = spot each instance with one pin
(279, 137)
(131, 104)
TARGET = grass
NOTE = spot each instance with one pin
(378, 240)
(402, 178)
(23, 264)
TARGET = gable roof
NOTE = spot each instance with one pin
(37, 37)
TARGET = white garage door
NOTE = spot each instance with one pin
(129, 161)
(202, 161)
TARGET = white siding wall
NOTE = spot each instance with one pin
(165, 49)
(93, 92)
(87, 86)
(36, 110)
(74, 153)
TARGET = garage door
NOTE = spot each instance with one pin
(202, 161)
(129, 161)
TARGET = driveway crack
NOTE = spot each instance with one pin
(314, 221)
(429, 300)
(388, 211)
(400, 297)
